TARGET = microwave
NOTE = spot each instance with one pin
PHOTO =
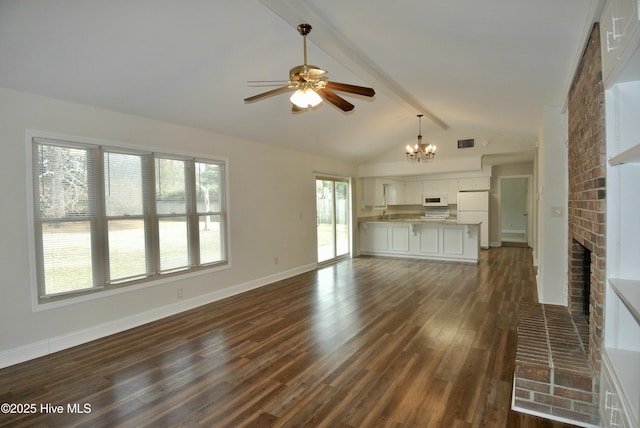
(435, 200)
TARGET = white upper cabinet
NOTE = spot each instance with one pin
(394, 193)
(413, 192)
(381, 191)
(435, 187)
(477, 183)
(374, 192)
(619, 35)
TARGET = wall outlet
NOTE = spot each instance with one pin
(179, 293)
(275, 260)
(557, 211)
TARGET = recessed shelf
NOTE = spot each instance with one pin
(631, 155)
(628, 291)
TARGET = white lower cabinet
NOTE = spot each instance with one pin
(429, 240)
(452, 241)
(456, 242)
(378, 238)
(400, 238)
(613, 409)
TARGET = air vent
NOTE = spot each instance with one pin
(466, 144)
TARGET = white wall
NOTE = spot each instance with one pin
(271, 205)
(552, 208)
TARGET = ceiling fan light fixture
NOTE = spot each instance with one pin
(305, 98)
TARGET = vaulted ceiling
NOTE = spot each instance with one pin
(476, 69)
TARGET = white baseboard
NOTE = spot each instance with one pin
(78, 337)
(513, 231)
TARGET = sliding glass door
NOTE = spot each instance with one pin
(332, 214)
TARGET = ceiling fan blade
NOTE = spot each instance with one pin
(268, 94)
(335, 99)
(296, 109)
(344, 87)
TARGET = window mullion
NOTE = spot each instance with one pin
(192, 214)
(100, 241)
(151, 217)
(40, 275)
(223, 213)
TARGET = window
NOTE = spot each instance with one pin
(106, 217)
(332, 214)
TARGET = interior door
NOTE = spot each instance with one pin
(514, 209)
(332, 218)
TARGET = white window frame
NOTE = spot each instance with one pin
(43, 302)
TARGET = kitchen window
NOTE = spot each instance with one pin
(107, 217)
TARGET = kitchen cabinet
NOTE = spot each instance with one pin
(619, 35)
(452, 191)
(477, 183)
(400, 237)
(429, 240)
(385, 237)
(413, 192)
(380, 192)
(374, 192)
(376, 238)
(394, 193)
(420, 239)
(612, 411)
(620, 389)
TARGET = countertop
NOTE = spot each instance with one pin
(413, 220)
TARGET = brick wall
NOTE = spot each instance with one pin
(587, 188)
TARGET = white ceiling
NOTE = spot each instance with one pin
(481, 69)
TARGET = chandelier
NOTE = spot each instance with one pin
(421, 152)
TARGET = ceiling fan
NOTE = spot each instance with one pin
(312, 86)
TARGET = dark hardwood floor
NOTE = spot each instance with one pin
(368, 342)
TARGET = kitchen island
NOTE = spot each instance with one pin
(418, 238)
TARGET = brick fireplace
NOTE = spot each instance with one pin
(587, 192)
(558, 354)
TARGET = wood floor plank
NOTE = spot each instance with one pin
(366, 342)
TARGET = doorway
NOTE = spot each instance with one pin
(332, 218)
(515, 225)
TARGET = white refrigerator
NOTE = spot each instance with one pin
(473, 207)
